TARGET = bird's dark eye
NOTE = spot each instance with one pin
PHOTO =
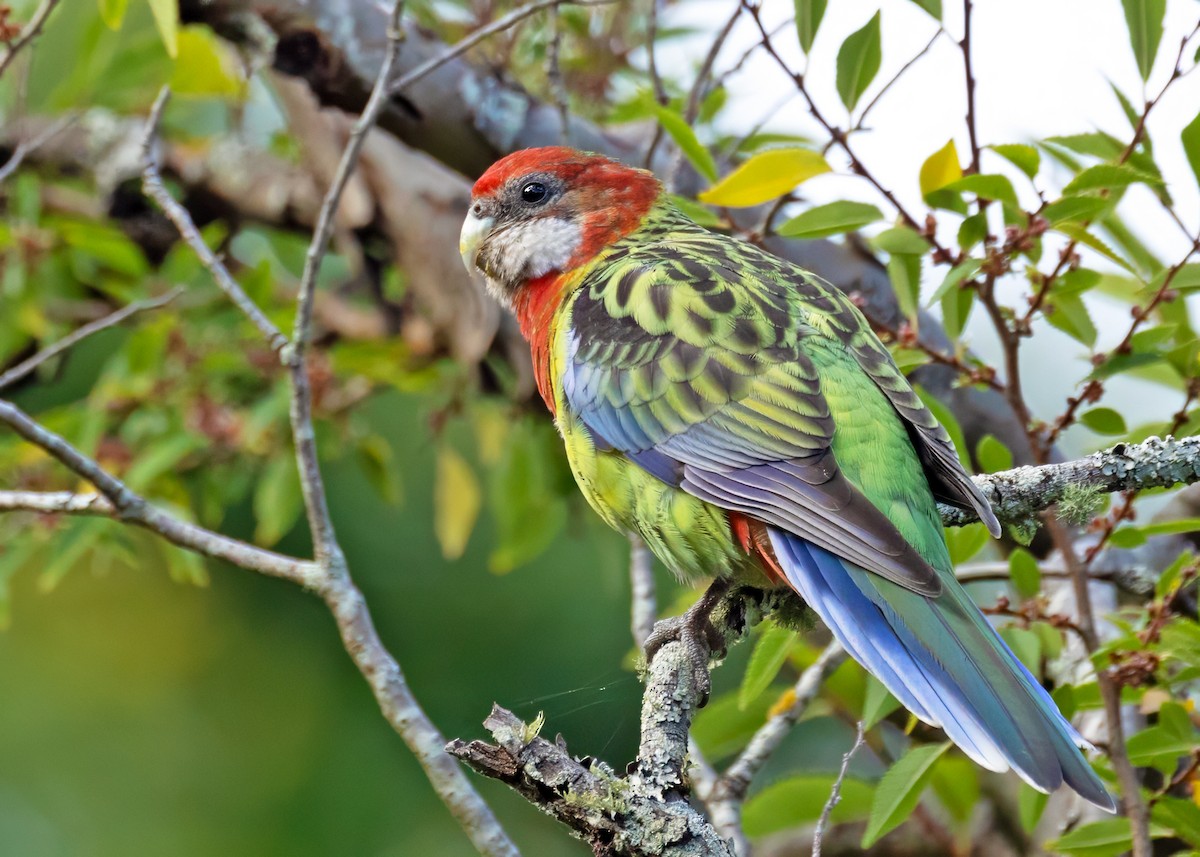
(533, 192)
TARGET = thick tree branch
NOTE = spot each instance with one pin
(1020, 494)
(612, 814)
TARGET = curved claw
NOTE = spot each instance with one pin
(695, 631)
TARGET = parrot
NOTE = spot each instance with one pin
(739, 415)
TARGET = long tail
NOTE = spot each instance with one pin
(947, 665)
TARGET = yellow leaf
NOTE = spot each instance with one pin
(204, 65)
(940, 169)
(166, 16)
(456, 501)
(766, 176)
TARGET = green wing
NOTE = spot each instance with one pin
(704, 361)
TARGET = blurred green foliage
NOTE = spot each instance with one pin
(220, 716)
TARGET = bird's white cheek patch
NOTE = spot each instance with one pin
(530, 250)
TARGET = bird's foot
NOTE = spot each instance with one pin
(695, 631)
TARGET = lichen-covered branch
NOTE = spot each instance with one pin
(612, 814)
(1018, 495)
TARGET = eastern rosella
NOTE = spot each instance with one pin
(740, 416)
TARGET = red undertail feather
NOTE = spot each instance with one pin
(752, 536)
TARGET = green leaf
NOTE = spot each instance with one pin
(1026, 645)
(1069, 314)
(1030, 805)
(897, 794)
(904, 270)
(830, 219)
(992, 455)
(1182, 816)
(933, 7)
(1108, 177)
(1076, 209)
(769, 655)
(940, 169)
(878, 702)
(808, 20)
(1103, 421)
(722, 728)
(956, 309)
(900, 240)
(858, 62)
(699, 213)
(990, 186)
(277, 500)
(1158, 743)
(112, 13)
(955, 781)
(456, 502)
(685, 139)
(166, 18)
(1191, 145)
(1106, 838)
(376, 461)
(1023, 157)
(765, 176)
(1145, 21)
(965, 542)
(972, 230)
(801, 800)
(1024, 573)
(1097, 144)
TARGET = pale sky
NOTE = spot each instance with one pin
(1042, 69)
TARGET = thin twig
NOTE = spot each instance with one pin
(737, 777)
(969, 78)
(498, 26)
(152, 184)
(840, 137)
(117, 500)
(862, 117)
(311, 482)
(28, 33)
(26, 147)
(554, 76)
(835, 795)
(72, 339)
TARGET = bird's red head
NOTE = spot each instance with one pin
(541, 212)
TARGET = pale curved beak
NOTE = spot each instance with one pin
(474, 231)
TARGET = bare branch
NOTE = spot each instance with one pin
(738, 776)
(969, 77)
(26, 146)
(153, 186)
(117, 500)
(643, 607)
(506, 22)
(25, 367)
(28, 33)
(835, 795)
